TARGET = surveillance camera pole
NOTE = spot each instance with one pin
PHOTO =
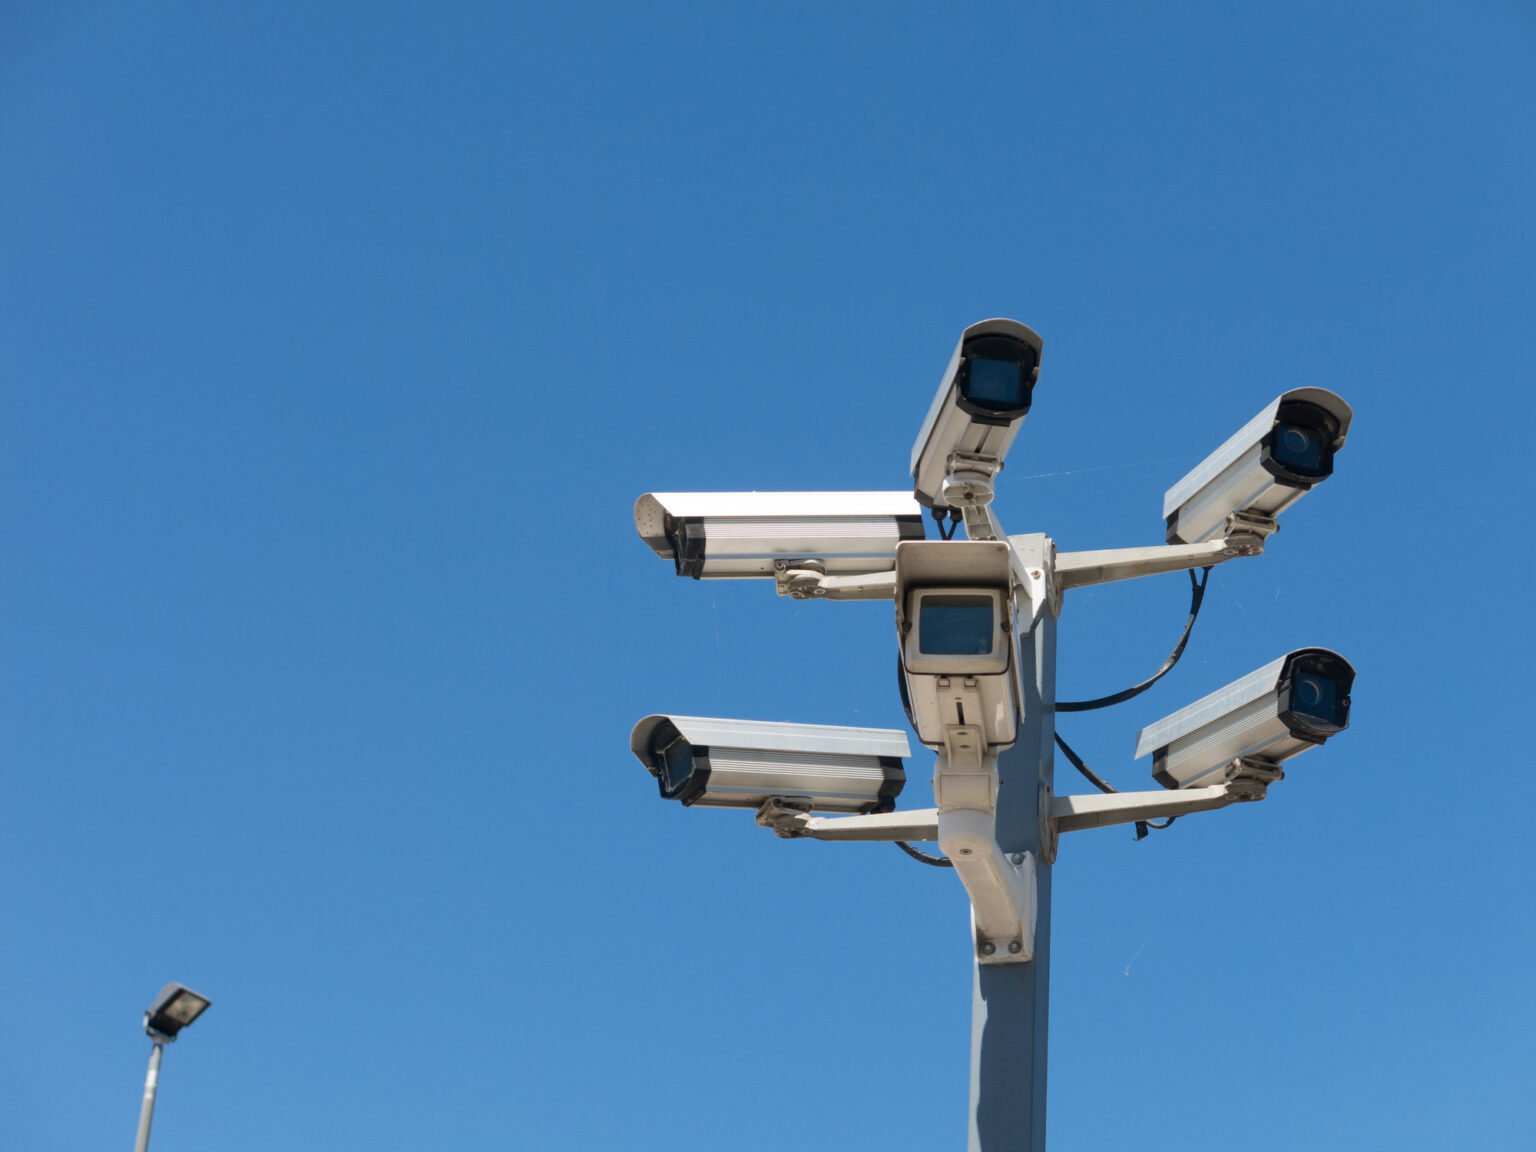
(1010, 1005)
(151, 1085)
(1224, 509)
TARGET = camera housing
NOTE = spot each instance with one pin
(1264, 468)
(740, 535)
(716, 763)
(980, 405)
(955, 626)
(1251, 726)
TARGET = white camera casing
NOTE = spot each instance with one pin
(717, 763)
(1253, 724)
(1249, 475)
(737, 535)
(970, 425)
(949, 691)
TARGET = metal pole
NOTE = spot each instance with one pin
(147, 1112)
(1010, 1005)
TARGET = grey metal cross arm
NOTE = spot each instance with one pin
(1068, 814)
(805, 580)
(1082, 569)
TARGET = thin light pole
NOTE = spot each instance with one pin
(175, 1006)
(1010, 1010)
(151, 1084)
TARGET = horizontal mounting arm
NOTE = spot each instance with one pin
(1100, 810)
(809, 583)
(918, 824)
(1081, 569)
(1068, 813)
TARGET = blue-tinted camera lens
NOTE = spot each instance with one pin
(1318, 697)
(956, 626)
(1301, 450)
(996, 385)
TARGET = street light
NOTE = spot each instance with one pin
(173, 1009)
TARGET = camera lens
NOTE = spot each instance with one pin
(676, 764)
(1318, 697)
(956, 626)
(1300, 450)
(996, 385)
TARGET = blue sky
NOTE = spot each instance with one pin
(335, 346)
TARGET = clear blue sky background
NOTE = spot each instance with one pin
(336, 343)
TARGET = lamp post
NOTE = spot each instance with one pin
(173, 1009)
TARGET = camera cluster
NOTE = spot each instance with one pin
(961, 607)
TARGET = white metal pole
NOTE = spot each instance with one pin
(1010, 1006)
(147, 1112)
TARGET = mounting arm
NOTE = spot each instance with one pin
(1081, 569)
(805, 580)
(791, 823)
(1068, 813)
(1102, 809)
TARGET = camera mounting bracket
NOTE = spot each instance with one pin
(808, 580)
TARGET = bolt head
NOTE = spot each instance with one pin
(1015, 947)
(988, 948)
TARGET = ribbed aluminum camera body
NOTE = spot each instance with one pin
(1269, 716)
(981, 403)
(716, 763)
(1265, 467)
(741, 535)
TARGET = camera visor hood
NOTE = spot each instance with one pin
(1314, 690)
(1298, 450)
(995, 383)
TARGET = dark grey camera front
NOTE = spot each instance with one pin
(956, 625)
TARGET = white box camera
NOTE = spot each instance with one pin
(954, 622)
(1253, 725)
(1270, 463)
(714, 763)
(978, 410)
(736, 535)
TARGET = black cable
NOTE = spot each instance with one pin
(1143, 825)
(923, 857)
(1089, 774)
(938, 515)
(1196, 595)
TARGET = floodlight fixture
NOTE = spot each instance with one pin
(174, 1008)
